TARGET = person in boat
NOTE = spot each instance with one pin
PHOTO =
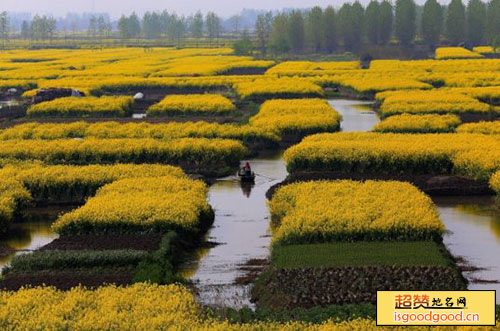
(247, 169)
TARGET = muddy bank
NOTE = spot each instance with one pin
(145, 242)
(244, 71)
(434, 185)
(66, 279)
(351, 93)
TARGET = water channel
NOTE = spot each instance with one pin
(241, 227)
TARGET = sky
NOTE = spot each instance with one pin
(223, 8)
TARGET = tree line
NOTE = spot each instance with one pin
(172, 26)
(380, 23)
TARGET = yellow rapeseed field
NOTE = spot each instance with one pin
(115, 130)
(21, 183)
(277, 88)
(443, 53)
(192, 104)
(432, 101)
(347, 210)
(92, 151)
(474, 155)
(297, 116)
(83, 107)
(140, 204)
(407, 123)
(480, 127)
(140, 307)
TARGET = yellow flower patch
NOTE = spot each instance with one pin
(83, 107)
(407, 123)
(443, 53)
(192, 104)
(326, 211)
(115, 130)
(480, 127)
(297, 116)
(432, 101)
(474, 155)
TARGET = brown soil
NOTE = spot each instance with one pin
(469, 118)
(147, 242)
(469, 268)
(245, 71)
(311, 287)
(66, 279)
(252, 268)
(434, 185)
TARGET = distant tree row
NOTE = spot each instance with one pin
(174, 27)
(40, 28)
(99, 27)
(352, 25)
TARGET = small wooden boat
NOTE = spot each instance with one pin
(246, 176)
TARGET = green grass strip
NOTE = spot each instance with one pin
(411, 253)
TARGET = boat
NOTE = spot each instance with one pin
(246, 176)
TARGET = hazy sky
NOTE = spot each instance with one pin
(117, 7)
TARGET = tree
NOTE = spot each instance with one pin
(244, 45)
(25, 30)
(152, 25)
(235, 23)
(296, 31)
(129, 27)
(262, 30)
(278, 38)
(213, 25)
(493, 20)
(4, 27)
(349, 20)
(164, 18)
(455, 22)
(315, 29)
(123, 27)
(358, 14)
(476, 22)
(43, 27)
(372, 25)
(432, 22)
(344, 24)
(102, 26)
(404, 21)
(92, 30)
(134, 25)
(176, 28)
(197, 25)
(329, 25)
(385, 22)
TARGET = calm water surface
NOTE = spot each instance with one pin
(357, 115)
(241, 228)
(473, 235)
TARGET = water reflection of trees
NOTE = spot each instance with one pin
(489, 210)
